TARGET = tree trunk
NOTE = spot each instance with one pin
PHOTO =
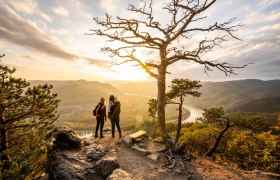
(212, 150)
(179, 125)
(3, 145)
(161, 108)
(161, 99)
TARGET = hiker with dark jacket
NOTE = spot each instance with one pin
(114, 110)
(101, 115)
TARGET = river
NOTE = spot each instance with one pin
(194, 111)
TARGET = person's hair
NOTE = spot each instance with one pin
(112, 98)
(103, 99)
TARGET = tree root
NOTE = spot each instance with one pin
(176, 162)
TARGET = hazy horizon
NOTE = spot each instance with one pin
(225, 80)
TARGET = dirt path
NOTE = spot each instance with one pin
(142, 168)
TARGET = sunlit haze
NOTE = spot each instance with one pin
(46, 40)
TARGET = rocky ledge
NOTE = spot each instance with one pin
(75, 158)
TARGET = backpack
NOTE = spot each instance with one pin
(94, 110)
(115, 109)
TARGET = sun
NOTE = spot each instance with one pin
(127, 72)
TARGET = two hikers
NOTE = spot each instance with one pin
(114, 109)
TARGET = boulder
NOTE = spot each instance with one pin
(120, 174)
(91, 161)
(66, 138)
(65, 164)
(96, 155)
(107, 165)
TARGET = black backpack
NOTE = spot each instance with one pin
(94, 110)
(115, 109)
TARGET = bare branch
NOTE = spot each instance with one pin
(182, 13)
(130, 57)
(222, 27)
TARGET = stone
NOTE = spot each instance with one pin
(127, 139)
(142, 145)
(119, 174)
(96, 155)
(99, 147)
(66, 163)
(66, 138)
(107, 130)
(89, 141)
(141, 150)
(153, 156)
(107, 165)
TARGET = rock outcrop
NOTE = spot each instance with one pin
(66, 138)
(75, 158)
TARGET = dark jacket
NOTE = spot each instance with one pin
(101, 110)
(115, 110)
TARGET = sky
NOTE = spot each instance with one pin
(47, 40)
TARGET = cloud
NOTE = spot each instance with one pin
(267, 3)
(261, 17)
(16, 30)
(273, 27)
(114, 6)
(61, 11)
(29, 7)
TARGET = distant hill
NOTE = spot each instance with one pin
(81, 92)
(78, 98)
(141, 88)
(226, 94)
(215, 94)
(265, 104)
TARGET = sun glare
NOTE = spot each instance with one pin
(129, 73)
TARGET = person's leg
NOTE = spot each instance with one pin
(97, 127)
(118, 126)
(101, 127)
(113, 127)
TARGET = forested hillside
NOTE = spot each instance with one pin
(81, 92)
(219, 94)
(265, 104)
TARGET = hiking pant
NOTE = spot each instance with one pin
(115, 121)
(100, 122)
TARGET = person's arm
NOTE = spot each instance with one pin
(120, 106)
(109, 107)
(105, 113)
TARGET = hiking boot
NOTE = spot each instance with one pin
(120, 135)
(96, 136)
(113, 136)
(102, 136)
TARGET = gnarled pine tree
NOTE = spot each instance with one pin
(179, 89)
(165, 39)
(26, 114)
